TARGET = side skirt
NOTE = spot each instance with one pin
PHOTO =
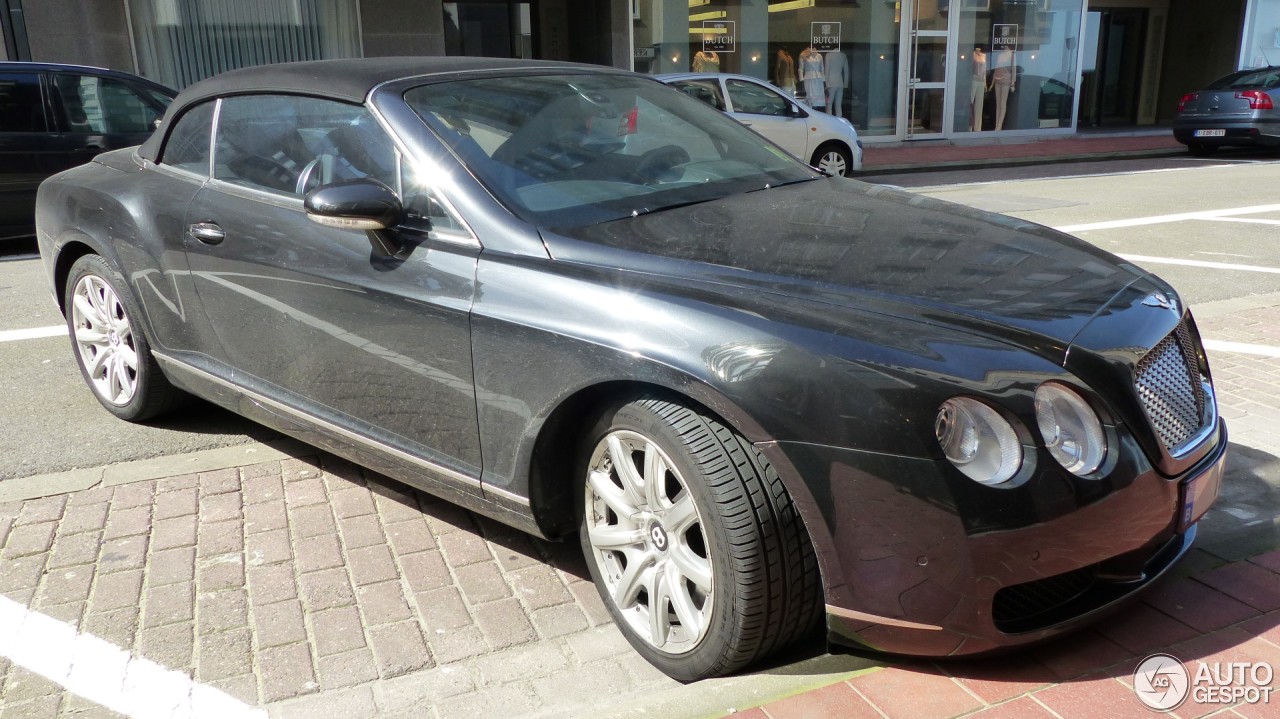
(423, 474)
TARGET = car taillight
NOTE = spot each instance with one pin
(1189, 97)
(627, 125)
(1258, 100)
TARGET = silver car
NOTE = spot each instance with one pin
(1239, 109)
(826, 142)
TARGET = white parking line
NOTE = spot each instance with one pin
(106, 674)
(33, 333)
(1242, 348)
(1160, 219)
(1199, 263)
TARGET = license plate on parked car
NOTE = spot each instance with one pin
(1211, 133)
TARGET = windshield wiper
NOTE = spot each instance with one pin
(771, 186)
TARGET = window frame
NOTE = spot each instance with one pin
(45, 110)
(55, 105)
(728, 91)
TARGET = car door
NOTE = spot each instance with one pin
(94, 113)
(770, 114)
(312, 315)
(27, 151)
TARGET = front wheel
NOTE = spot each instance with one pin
(110, 348)
(833, 158)
(692, 541)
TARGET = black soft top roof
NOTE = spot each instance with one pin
(347, 80)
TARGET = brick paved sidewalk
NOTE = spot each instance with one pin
(943, 153)
(302, 577)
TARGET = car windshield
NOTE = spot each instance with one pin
(1265, 79)
(576, 149)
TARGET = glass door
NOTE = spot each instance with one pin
(930, 47)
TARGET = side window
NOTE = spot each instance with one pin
(291, 144)
(94, 104)
(426, 212)
(707, 91)
(756, 99)
(21, 109)
(188, 144)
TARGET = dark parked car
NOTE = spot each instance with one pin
(576, 300)
(57, 116)
(1236, 110)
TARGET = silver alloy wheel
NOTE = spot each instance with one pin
(832, 163)
(647, 540)
(104, 338)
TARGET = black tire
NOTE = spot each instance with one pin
(834, 149)
(151, 394)
(1199, 149)
(766, 591)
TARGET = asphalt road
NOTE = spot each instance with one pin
(54, 424)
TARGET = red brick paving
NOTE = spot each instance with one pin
(1198, 605)
(1022, 708)
(1086, 675)
(1098, 696)
(836, 700)
(943, 152)
(1080, 653)
(917, 691)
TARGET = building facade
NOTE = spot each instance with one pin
(899, 69)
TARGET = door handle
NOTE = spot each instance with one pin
(207, 232)
(745, 122)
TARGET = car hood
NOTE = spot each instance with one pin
(876, 249)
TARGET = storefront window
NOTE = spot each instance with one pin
(1262, 35)
(838, 57)
(1016, 66)
(182, 41)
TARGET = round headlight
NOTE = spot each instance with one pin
(978, 441)
(1071, 429)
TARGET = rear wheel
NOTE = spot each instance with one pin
(833, 158)
(693, 543)
(110, 348)
(1199, 149)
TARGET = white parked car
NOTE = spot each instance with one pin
(824, 141)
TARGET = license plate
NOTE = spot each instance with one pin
(1199, 493)
(1211, 133)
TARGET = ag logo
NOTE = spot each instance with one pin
(1161, 682)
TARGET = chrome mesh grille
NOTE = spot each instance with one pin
(1169, 385)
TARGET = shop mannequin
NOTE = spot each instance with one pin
(837, 77)
(812, 74)
(706, 61)
(1004, 80)
(784, 72)
(978, 89)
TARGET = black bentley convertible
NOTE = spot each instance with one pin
(580, 302)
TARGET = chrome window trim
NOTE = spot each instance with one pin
(176, 172)
(466, 481)
(288, 202)
(469, 239)
(213, 136)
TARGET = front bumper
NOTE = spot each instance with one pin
(907, 573)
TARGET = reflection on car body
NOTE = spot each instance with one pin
(826, 142)
(581, 302)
